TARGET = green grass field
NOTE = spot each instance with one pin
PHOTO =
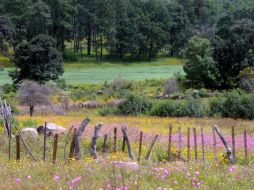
(88, 71)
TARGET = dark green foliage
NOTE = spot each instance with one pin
(179, 108)
(217, 106)
(108, 110)
(37, 60)
(135, 105)
(6, 32)
(200, 68)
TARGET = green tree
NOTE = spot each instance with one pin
(37, 60)
(6, 32)
(200, 68)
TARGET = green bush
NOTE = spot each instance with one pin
(108, 110)
(135, 105)
(179, 108)
(217, 106)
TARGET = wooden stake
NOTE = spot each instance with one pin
(195, 144)
(140, 145)
(233, 142)
(55, 148)
(104, 149)
(17, 148)
(151, 147)
(94, 140)
(67, 141)
(188, 144)
(123, 147)
(245, 145)
(203, 144)
(169, 142)
(72, 147)
(115, 139)
(124, 130)
(180, 143)
(214, 145)
(44, 142)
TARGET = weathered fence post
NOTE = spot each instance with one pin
(140, 145)
(25, 145)
(124, 130)
(67, 141)
(180, 143)
(94, 140)
(55, 148)
(228, 149)
(115, 139)
(79, 133)
(214, 145)
(203, 144)
(188, 144)
(195, 144)
(233, 142)
(17, 148)
(72, 146)
(151, 147)
(169, 142)
(123, 147)
(104, 147)
(245, 145)
(44, 142)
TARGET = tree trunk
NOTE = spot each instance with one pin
(31, 111)
(89, 40)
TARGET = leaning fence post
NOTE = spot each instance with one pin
(44, 142)
(140, 145)
(124, 129)
(17, 148)
(115, 139)
(169, 142)
(188, 144)
(195, 144)
(214, 145)
(203, 144)
(123, 147)
(245, 145)
(180, 143)
(151, 147)
(55, 148)
(233, 142)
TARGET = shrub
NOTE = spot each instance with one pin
(108, 110)
(171, 87)
(217, 106)
(173, 108)
(121, 84)
(135, 105)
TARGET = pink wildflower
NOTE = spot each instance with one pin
(18, 180)
(29, 177)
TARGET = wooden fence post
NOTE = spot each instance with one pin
(94, 140)
(104, 149)
(140, 145)
(188, 144)
(44, 142)
(123, 147)
(245, 145)
(214, 145)
(17, 148)
(169, 142)
(72, 146)
(55, 148)
(124, 131)
(151, 147)
(195, 144)
(115, 139)
(233, 142)
(203, 144)
(180, 143)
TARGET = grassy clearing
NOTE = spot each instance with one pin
(89, 71)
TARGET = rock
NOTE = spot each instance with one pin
(51, 129)
(32, 132)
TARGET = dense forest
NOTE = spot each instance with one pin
(215, 36)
